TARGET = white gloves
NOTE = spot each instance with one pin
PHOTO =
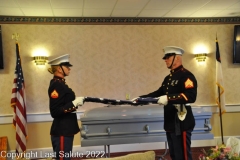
(78, 101)
(135, 99)
(163, 100)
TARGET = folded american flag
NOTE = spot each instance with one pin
(140, 101)
(147, 100)
(107, 101)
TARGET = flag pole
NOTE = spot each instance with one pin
(219, 80)
(18, 102)
(220, 112)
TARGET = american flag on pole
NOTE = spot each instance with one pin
(18, 102)
(219, 81)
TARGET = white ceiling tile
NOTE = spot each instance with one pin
(37, 12)
(67, 3)
(191, 4)
(179, 13)
(97, 12)
(34, 3)
(125, 13)
(236, 5)
(10, 11)
(7, 3)
(228, 13)
(67, 12)
(205, 13)
(121, 8)
(219, 4)
(133, 4)
(99, 3)
(162, 4)
(152, 13)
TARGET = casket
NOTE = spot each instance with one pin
(126, 124)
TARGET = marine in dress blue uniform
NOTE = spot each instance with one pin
(62, 104)
(178, 89)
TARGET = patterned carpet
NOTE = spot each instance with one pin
(196, 151)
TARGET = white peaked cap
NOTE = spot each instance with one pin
(173, 49)
(61, 60)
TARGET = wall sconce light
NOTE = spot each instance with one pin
(201, 57)
(40, 60)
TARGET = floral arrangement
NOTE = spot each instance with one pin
(220, 152)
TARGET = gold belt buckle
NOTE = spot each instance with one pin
(182, 113)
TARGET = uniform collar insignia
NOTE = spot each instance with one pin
(176, 69)
(59, 78)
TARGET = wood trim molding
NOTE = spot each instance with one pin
(117, 21)
(32, 117)
(46, 117)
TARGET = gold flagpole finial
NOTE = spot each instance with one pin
(15, 36)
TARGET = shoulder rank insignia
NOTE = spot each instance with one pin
(189, 83)
(54, 94)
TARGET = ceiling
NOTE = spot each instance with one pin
(121, 8)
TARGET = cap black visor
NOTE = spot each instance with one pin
(66, 64)
(167, 55)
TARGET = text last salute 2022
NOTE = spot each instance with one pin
(41, 154)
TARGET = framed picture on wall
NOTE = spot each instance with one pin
(1, 50)
(236, 45)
